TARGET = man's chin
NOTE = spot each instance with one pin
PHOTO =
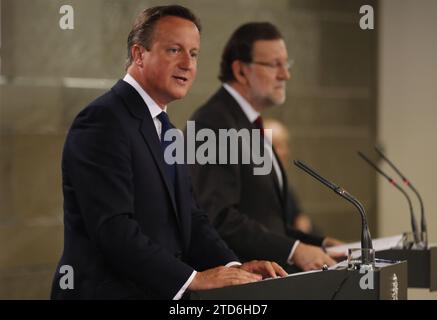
(278, 97)
(278, 101)
(179, 94)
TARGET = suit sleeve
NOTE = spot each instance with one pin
(208, 250)
(98, 163)
(294, 211)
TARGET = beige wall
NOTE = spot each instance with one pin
(407, 112)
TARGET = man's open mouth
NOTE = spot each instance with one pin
(180, 78)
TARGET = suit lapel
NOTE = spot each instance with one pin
(138, 108)
(284, 195)
(148, 132)
(274, 177)
(284, 178)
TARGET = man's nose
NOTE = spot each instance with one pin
(284, 73)
(186, 61)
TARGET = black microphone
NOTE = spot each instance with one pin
(393, 182)
(366, 239)
(424, 233)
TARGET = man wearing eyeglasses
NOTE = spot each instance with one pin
(251, 212)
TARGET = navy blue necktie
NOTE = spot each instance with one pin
(166, 125)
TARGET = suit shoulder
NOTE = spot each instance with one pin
(106, 109)
(107, 102)
(214, 114)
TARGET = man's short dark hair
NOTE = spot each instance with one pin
(240, 45)
(143, 27)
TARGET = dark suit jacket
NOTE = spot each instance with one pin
(128, 232)
(249, 211)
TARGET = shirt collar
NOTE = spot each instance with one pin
(154, 108)
(248, 110)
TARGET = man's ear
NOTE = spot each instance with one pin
(137, 52)
(238, 70)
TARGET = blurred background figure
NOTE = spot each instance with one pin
(281, 143)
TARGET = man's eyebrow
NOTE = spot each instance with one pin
(176, 43)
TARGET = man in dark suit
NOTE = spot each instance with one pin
(132, 229)
(252, 212)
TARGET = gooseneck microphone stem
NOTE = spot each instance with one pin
(424, 234)
(413, 219)
(393, 182)
(366, 239)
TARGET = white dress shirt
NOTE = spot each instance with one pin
(154, 108)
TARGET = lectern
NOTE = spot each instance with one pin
(422, 265)
(387, 281)
(422, 259)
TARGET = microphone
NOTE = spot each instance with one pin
(393, 182)
(366, 240)
(424, 233)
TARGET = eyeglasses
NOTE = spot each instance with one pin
(275, 65)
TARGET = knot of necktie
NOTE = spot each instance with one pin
(259, 125)
(166, 124)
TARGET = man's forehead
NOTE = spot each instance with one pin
(172, 26)
(269, 47)
(176, 31)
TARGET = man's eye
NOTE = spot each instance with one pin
(194, 55)
(173, 50)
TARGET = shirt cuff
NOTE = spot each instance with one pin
(290, 257)
(233, 263)
(178, 295)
